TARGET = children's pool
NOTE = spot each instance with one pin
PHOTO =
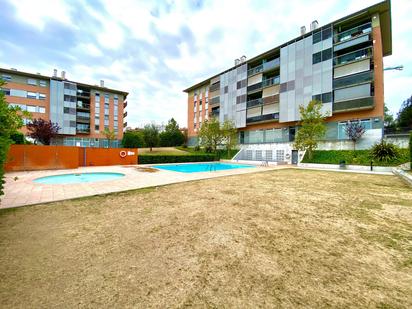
(78, 178)
(200, 167)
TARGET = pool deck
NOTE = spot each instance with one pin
(20, 190)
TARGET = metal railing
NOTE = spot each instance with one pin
(271, 64)
(366, 102)
(255, 70)
(274, 116)
(354, 79)
(254, 102)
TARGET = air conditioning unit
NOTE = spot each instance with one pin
(314, 25)
(302, 30)
(237, 61)
(242, 59)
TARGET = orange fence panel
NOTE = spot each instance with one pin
(34, 157)
(110, 156)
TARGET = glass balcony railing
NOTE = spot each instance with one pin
(353, 56)
(254, 87)
(271, 64)
(361, 103)
(254, 102)
(255, 70)
(274, 116)
(271, 81)
(353, 79)
(353, 33)
(82, 105)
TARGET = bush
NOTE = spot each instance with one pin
(18, 138)
(153, 159)
(196, 148)
(385, 152)
(133, 139)
(358, 157)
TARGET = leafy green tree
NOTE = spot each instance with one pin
(11, 119)
(210, 134)
(133, 139)
(312, 127)
(18, 138)
(229, 132)
(151, 135)
(42, 130)
(388, 120)
(171, 136)
(405, 114)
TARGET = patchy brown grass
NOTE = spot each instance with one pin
(286, 238)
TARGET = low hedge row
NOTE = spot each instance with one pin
(357, 157)
(154, 159)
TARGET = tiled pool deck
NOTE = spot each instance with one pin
(23, 191)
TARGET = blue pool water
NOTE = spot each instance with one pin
(200, 167)
(77, 178)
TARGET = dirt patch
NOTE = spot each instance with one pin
(286, 238)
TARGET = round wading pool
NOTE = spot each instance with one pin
(77, 178)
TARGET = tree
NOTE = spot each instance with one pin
(171, 136)
(133, 139)
(388, 119)
(229, 132)
(354, 130)
(11, 119)
(405, 114)
(312, 127)
(210, 134)
(151, 135)
(110, 135)
(42, 130)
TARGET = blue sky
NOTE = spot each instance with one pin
(155, 49)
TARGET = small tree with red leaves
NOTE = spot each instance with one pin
(354, 130)
(42, 131)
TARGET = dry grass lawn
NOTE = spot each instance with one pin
(286, 238)
(162, 151)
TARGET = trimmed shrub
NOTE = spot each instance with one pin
(18, 138)
(155, 159)
(385, 152)
(358, 157)
(410, 150)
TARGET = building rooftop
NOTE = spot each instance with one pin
(38, 75)
(384, 10)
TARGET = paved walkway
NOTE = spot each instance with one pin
(20, 190)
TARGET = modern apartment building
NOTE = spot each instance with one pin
(82, 111)
(340, 64)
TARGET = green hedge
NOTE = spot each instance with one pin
(357, 157)
(154, 159)
(410, 150)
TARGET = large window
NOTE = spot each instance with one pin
(32, 81)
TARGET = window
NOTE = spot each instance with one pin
(5, 91)
(6, 77)
(22, 106)
(326, 54)
(42, 96)
(317, 37)
(43, 83)
(31, 109)
(96, 128)
(32, 81)
(327, 97)
(42, 110)
(106, 98)
(97, 97)
(316, 58)
(226, 89)
(31, 95)
(326, 33)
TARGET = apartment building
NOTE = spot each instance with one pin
(82, 111)
(339, 64)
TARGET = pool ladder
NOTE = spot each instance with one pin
(212, 167)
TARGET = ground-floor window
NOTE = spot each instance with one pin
(366, 123)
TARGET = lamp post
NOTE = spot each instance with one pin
(397, 68)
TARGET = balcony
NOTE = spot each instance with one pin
(214, 87)
(124, 104)
(272, 64)
(83, 106)
(353, 33)
(357, 41)
(355, 79)
(269, 117)
(254, 87)
(254, 102)
(271, 81)
(353, 56)
(82, 129)
(82, 119)
(125, 115)
(255, 70)
(355, 104)
(215, 100)
(83, 94)
(124, 124)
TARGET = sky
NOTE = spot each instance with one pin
(155, 49)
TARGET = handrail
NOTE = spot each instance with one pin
(358, 54)
(358, 30)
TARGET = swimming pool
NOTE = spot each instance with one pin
(77, 178)
(200, 167)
